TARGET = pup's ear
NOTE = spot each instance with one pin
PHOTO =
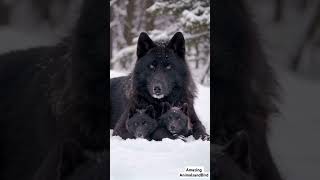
(177, 44)
(239, 150)
(151, 112)
(144, 44)
(165, 107)
(185, 109)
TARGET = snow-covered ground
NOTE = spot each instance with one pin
(140, 159)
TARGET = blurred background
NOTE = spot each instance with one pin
(29, 23)
(290, 33)
(290, 30)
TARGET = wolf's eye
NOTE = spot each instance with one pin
(135, 124)
(151, 66)
(168, 67)
(145, 123)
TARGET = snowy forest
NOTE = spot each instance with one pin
(161, 19)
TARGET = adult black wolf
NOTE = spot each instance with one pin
(245, 89)
(49, 94)
(161, 74)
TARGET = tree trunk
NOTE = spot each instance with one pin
(149, 16)
(128, 22)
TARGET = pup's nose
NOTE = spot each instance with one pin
(172, 127)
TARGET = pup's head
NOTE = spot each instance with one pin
(142, 123)
(175, 119)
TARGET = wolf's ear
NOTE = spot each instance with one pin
(177, 44)
(144, 44)
(151, 112)
(185, 109)
(239, 150)
(165, 107)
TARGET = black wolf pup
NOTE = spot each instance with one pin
(141, 123)
(174, 123)
(161, 74)
(176, 119)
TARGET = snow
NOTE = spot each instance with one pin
(139, 159)
(198, 14)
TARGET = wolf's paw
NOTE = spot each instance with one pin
(183, 138)
(205, 137)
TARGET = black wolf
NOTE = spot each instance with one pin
(142, 123)
(245, 89)
(174, 123)
(161, 74)
(49, 94)
(176, 120)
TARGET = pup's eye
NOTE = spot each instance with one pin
(168, 67)
(151, 66)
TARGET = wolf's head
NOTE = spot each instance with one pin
(161, 67)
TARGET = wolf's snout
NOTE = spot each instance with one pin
(157, 89)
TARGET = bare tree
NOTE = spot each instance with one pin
(129, 22)
(150, 17)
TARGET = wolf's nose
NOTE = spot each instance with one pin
(139, 135)
(157, 89)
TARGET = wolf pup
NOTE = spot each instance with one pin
(140, 124)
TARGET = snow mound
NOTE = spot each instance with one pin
(139, 159)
